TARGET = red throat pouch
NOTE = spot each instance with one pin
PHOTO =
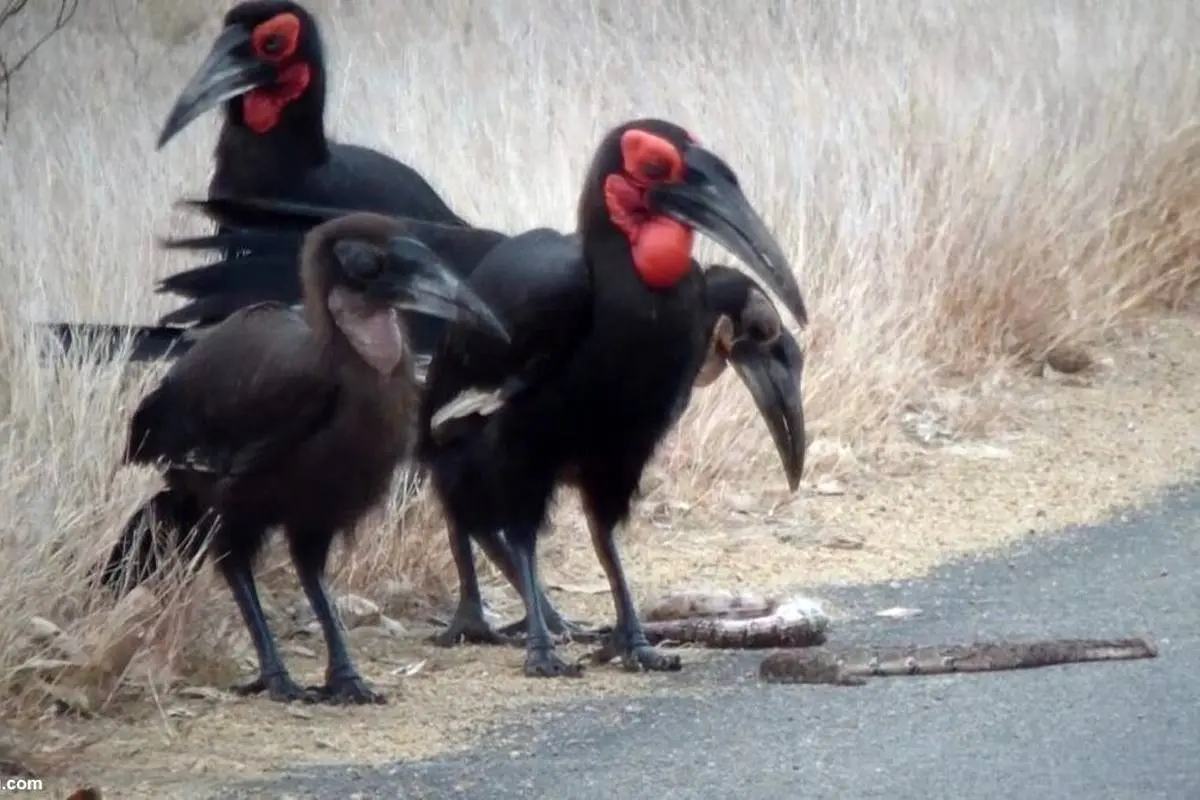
(261, 108)
(661, 246)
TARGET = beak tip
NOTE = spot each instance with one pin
(167, 133)
(794, 475)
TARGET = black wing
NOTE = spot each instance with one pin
(540, 287)
(217, 414)
(354, 177)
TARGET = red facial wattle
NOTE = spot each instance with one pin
(261, 108)
(276, 41)
(661, 246)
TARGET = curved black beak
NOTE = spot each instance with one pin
(424, 283)
(710, 200)
(773, 375)
(228, 71)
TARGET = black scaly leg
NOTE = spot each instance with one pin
(235, 563)
(540, 659)
(628, 637)
(565, 629)
(468, 624)
(343, 684)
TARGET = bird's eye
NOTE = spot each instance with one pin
(760, 332)
(274, 44)
(655, 170)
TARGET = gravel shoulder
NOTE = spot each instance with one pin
(1115, 730)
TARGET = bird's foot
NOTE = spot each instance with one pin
(543, 662)
(347, 691)
(279, 687)
(562, 630)
(469, 628)
(650, 659)
(637, 654)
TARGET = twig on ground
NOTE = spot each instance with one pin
(852, 666)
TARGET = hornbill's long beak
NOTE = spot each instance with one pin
(228, 71)
(710, 200)
(415, 279)
(773, 373)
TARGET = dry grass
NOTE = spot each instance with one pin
(964, 186)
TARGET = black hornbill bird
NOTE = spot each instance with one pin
(267, 71)
(294, 419)
(609, 331)
(746, 331)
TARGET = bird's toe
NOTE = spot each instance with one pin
(469, 630)
(348, 691)
(546, 664)
(278, 687)
(651, 659)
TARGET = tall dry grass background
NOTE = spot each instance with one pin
(961, 184)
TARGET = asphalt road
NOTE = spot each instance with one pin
(1103, 730)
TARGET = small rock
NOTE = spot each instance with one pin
(44, 633)
(830, 488)
(742, 503)
(394, 627)
(43, 630)
(357, 611)
(401, 599)
(1068, 359)
(845, 543)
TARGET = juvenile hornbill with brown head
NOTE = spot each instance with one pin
(293, 419)
(609, 331)
(266, 71)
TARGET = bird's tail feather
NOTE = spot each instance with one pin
(263, 213)
(259, 244)
(166, 527)
(147, 342)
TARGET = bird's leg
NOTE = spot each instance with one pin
(628, 637)
(540, 659)
(343, 684)
(273, 677)
(559, 626)
(468, 624)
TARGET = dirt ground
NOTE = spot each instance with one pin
(1081, 446)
